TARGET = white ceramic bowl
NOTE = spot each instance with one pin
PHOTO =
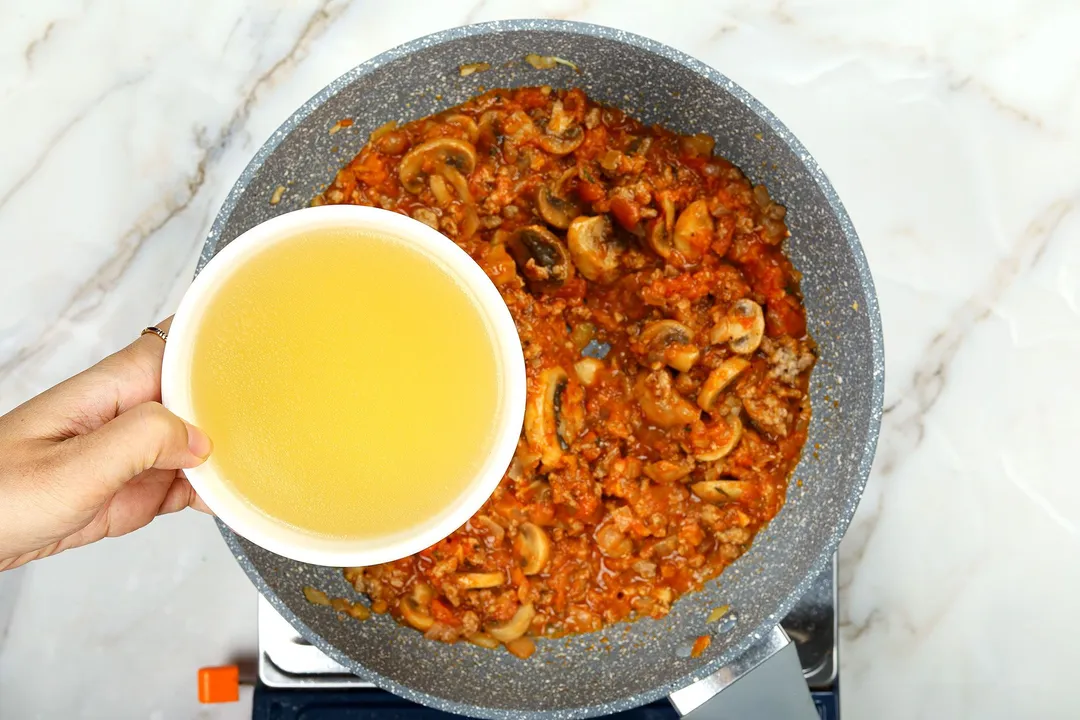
(278, 537)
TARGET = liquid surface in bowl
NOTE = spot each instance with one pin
(666, 354)
(349, 383)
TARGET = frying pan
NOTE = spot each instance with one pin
(628, 664)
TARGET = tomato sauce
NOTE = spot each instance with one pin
(666, 353)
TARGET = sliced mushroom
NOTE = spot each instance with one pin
(670, 342)
(477, 581)
(718, 491)
(693, 231)
(533, 548)
(662, 228)
(564, 143)
(494, 529)
(594, 248)
(467, 124)
(722, 442)
(561, 136)
(742, 328)
(541, 257)
(458, 181)
(552, 419)
(414, 608)
(516, 626)
(489, 127)
(440, 190)
(588, 370)
(661, 402)
(557, 211)
(437, 156)
(470, 221)
(719, 379)
(748, 326)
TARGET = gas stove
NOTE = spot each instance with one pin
(296, 680)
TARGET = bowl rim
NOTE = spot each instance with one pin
(229, 504)
(846, 508)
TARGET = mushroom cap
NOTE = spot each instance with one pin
(414, 608)
(433, 155)
(725, 446)
(516, 626)
(746, 323)
(661, 403)
(479, 580)
(670, 342)
(540, 256)
(693, 231)
(562, 135)
(532, 547)
(719, 379)
(594, 248)
(542, 417)
(557, 211)
(666, 332)
(563, 143)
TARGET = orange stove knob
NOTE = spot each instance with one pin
(219, 684)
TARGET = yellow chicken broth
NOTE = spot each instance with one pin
(349, 383)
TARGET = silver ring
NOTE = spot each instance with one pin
(155, 331)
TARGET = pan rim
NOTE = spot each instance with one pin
(849, 503)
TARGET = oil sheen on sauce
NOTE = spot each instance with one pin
(349, 383)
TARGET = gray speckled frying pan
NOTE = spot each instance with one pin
(628, 664)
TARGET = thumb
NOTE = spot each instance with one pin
(144, 437)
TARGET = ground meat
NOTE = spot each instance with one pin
(470, 622)
(768, 413)
(443, 633)
(426, 216)
(788, 358)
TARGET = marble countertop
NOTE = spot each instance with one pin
(950, 129)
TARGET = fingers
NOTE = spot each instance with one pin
(88, 400)
(146, 436)
(181, 495)
(155, 492)
(131, 376)
(135, 371)
(150, 346)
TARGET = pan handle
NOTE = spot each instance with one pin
(764, 683)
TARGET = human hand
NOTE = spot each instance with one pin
(96, 456)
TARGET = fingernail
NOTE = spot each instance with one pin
(199, 443)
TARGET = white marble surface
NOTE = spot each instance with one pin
(951, 130)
